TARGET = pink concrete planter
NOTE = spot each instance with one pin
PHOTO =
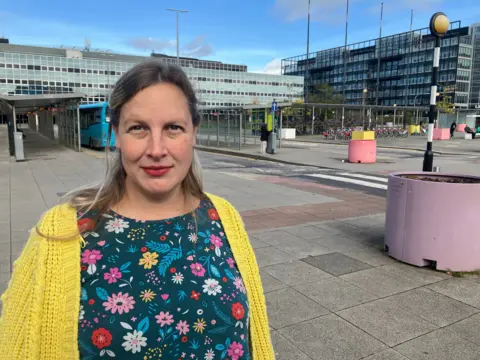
(422, 226)
(441, 134)
(362, 151)
(461, 127)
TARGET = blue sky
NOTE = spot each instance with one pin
(257, 33)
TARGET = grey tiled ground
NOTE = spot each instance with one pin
(336, 264)
(379, 309)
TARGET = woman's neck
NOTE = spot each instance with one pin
(140, 206)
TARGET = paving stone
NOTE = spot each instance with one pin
(296, 273)
(388, 354)
(376, 281)
(257, 244)
(4, 258)
(304, 231)
(277, 237)
(285, 350)
(420, 276)
(335, 294)
(373, 256)
(339, 243)
(332, 338)
(462, 290)
(302, 249)
(339, 228)
(387, 322)
(336, 264)
(468, 329)
(437, 345)
(270, 283)
(270, 256)
(287, 307)
(432, 306)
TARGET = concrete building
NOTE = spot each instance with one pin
(397, 69)
(32, 70)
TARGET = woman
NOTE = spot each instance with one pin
(263, 138)
(145, 265)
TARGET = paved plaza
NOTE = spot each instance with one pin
(331, 291)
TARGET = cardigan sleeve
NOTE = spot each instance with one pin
(20, 303)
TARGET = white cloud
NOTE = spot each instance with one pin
(274, 67)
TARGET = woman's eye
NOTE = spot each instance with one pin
(175, 128)
(136, 128)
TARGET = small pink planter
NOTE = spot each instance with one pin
(461, 127)
(362, 151)
(441, 134)
(422, 222)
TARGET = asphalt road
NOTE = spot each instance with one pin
(371, 184)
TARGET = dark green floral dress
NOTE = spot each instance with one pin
(160, 289)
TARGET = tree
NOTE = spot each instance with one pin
(324, 94)
(445, 105)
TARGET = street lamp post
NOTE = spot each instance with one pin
(439, 25)
(178, 40)
(394, 114)
(363, 110)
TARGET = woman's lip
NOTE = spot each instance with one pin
(156, 171)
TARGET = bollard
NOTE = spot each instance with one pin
(18, 139)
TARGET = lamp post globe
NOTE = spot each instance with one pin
(439, 24)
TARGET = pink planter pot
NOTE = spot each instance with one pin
(461, 127)
(441, 134)
(422, 222)
(362, 151)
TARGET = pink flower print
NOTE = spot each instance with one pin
(197, 269)
(216, 241)
(182, 327)
(235, 351)
(119, 302)
(91, 256)
(164, 318)
(231, 262)
(113, 275)
(238, 282)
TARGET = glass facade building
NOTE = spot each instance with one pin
(397, 69)
(30, 70)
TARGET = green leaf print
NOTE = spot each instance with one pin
(215, 271)
(158, 247)
(84, 295)
(221, 314)
(167, 260)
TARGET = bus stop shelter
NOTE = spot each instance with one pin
(44, 107)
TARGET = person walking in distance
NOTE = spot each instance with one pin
(263, 138)
(452, 129)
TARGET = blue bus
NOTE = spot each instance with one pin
(94, 121)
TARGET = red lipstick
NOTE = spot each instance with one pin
(157, 171)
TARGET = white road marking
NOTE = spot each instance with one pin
(350, 181)
(366, 177)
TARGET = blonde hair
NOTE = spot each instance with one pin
(102, 196)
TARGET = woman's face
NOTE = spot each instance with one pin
(155, 137)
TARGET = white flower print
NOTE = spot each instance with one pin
(134, 341)
(209, 355)
(212, 287)
(177, 278)
(116, 225)
(193, 238)
(81, 314)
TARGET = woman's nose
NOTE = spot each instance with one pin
(157, 147)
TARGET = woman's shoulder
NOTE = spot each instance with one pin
(224, 208)
(58, 221)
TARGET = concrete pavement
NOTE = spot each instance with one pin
(332, 293)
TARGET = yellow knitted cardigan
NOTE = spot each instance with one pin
(42, 303)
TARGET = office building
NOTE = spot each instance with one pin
(405, 65)
(32, 70)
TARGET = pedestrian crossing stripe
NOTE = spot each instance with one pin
(366, 177)
(351, 181)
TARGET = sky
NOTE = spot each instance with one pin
(256, 33)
